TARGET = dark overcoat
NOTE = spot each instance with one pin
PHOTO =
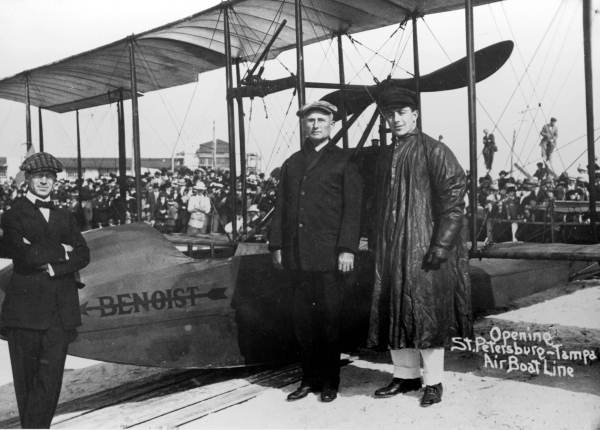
(33, 297)
(317, 212)
(420, 204)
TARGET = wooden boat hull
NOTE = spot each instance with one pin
(146, 303)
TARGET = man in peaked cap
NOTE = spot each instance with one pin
(421, 295)
(314, 236)
(40, 312)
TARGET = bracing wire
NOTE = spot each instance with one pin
(479, 103)
(525, 73)
(178, 128)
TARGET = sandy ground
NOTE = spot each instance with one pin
(475, 396)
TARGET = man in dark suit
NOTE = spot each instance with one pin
(314, 235)
(40, 312)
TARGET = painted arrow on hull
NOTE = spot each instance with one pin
(127, 303)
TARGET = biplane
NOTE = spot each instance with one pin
(145, 302)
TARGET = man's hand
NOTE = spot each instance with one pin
(434, 259)
(68, 248)
(276, 258)
(345, 262)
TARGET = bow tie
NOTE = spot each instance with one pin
(43, 204)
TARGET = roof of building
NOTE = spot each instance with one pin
(208, 147)
(113, 162)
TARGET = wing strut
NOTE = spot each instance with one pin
(300, 63)
(230, 123)
(135, 123)
(589, 110)
(472, 121)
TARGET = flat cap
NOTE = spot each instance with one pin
(391, 96)
(321, 105)
(41, 162)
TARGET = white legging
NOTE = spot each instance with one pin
(407, 364)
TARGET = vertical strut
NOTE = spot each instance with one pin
(135, 123)
(230, 122)
(342, 81)
(417, 70)
(242, 132)
(27, 115)
(300, 85)
(41, 129)
(589, 111)
(472, 121)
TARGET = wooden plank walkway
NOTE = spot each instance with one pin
(174, 399)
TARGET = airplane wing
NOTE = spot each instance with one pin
(176, 53)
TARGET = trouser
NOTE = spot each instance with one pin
(317, 305)
(38, 358)
(407, 364)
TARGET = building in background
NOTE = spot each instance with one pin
(214, 154)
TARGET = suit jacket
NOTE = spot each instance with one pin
(317, 212)
(33, 297)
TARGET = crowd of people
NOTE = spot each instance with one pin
(183, 201)
(529, 199)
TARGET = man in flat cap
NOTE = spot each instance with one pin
(40, 312)
(314, 236)
(421, 294)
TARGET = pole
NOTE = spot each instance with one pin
(300, 85)
(122, 152)
(214, 150)
(79, 170)
(135, 123)
(230, 123)
(589, 111)
(342, 82)
(27, 115)
(41, 129)
(512, 151)
(472, 121)
(416, 69)
(242, 133)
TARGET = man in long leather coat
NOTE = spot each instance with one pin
(314, 235)
(40, 312)
(421, 292)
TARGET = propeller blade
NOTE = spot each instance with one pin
(487, 61)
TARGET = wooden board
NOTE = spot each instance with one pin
(167, 403)
(541, 251)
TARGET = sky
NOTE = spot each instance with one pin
(543, 78)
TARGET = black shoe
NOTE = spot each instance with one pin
(397, 386)
(300, 392)
(432, 395)
(328, 395)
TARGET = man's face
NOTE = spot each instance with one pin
(401, 120)
(41, 183)
(317, 126)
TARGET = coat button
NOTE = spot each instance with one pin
(300, 225)
(302, 193)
